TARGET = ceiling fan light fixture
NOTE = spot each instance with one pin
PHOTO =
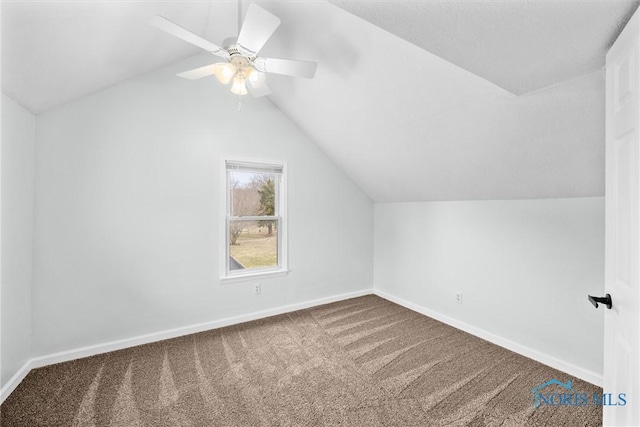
(243, 65)
(239, 87)
(224, 72)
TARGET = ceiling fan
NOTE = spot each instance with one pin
(242, 64)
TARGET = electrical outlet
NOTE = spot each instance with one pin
(459, 297)
(257, 289)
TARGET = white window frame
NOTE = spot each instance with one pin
(230, 276)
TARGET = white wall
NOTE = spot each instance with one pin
(18, 155)
(127, 212)
(524, 268)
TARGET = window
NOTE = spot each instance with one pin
(255, 222)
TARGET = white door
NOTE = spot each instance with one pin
(622, 256)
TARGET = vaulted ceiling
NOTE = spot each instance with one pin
(521, 46)
(438, 100)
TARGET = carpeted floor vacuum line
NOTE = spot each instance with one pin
(360, 362)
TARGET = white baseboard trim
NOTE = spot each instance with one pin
(543, 358)
(68, 355)
(93, 350)
(15, 380)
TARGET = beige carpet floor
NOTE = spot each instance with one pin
(360, 362)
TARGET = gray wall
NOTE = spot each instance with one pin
(18, 155)
(524, 268)
(127, 199)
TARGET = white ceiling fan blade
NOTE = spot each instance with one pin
(176, 30)
(258, 26)
(286, 67)
(198, 73)
(258, 90)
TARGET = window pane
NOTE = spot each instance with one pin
(252, 194)
(253, 244)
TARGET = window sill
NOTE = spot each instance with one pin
(253, 276)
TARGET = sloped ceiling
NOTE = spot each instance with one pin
(419, 106)
(410, 126)
(54, 52)
(521, 46)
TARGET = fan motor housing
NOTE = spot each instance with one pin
(233, 48)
